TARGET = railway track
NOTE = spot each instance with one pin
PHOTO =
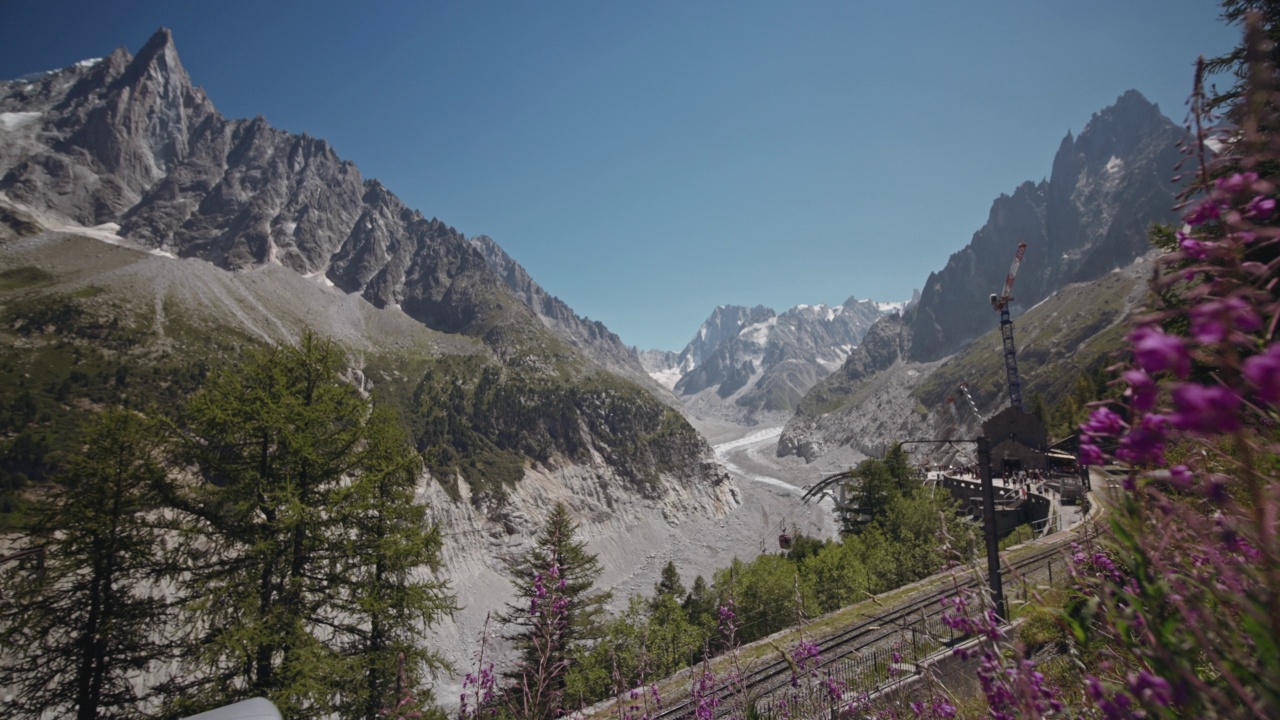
(868, 633)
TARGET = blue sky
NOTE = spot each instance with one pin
(647, 161)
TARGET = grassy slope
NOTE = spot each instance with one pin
(84, 323)
(1072, 332)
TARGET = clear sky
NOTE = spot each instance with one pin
(647, 160)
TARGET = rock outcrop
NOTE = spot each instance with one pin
(1091, 216)
(590, 337)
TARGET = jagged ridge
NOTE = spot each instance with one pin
(1091, 216)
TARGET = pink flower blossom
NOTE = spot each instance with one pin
(1103, 421)
(1211, 321)
(1205, 410)
(1263, 372)
(1144, 444)
(1156, 351)
(1193, 248)
(1237, 182)
(1260, 208)
(1180, 476)
(1090, 454)
(1204, 212)
(1142, 389)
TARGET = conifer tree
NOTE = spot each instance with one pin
(394, 553)
(75, 634)
(295, 487)
(670, 583)
(558, 567)
(1234, 63)
(877, 482)
(700, 605)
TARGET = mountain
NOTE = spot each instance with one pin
(128, 140)
(880, 395)
(145, 240)
(749, 363)
(1086, 230)
(127, 146)
(1089, 217)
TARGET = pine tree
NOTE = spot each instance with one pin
(871, 490)
(898, 463)
(876, 483)
(294, 486)
(670, 583)
(700, 606)
(394, 553)
(557, 572)
(1234, 63)
(75, 635)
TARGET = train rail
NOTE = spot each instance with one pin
(869, 633)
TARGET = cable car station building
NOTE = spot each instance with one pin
(1019, 442)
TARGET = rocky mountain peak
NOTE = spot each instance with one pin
(112, 67)
(725, 322)
(148, 151)
(1119, 130)
(158, 58)
(755, 362)
(1107, 185)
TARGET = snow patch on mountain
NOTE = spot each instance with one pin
(887, 308)
(667, 378)
(39, 75)
(11, 121)
(758, 334)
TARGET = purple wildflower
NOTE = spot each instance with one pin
(1237, 182)
(1090, 454)
(1103, 421)
(1263, 372)
(1206, 410)
(1156, 351)
(1204, 212)
(1150, 688)
(1144, 444)
(1260, 208)
(1191, 247)
(1142, 389)
(1211, 321)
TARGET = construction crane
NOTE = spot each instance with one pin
(1000, 303)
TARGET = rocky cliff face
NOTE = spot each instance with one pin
(1091, 216)
(750, 362)
(884, 345)
(128, 140)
